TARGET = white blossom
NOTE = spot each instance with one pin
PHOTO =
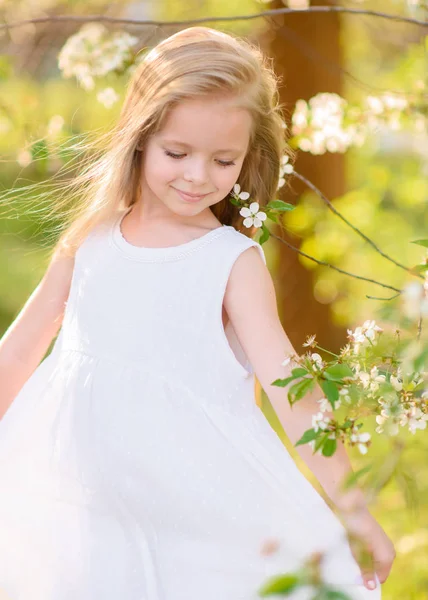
(414, 300)
(55, 125)
(325, 405)
(344, 395)
(286, 168)
(238, 194)
(363, 335)
(317, 361)
(370, 328)
(107, 97)
(24, 157)
(361, 439)
(396, 383)
(309, 340)
(328, 123)
(94, 52)
(253, 217)
(319, 124)
(320, 421)
(389, 418)
(417, 419)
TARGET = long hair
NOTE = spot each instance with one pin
(195, 62)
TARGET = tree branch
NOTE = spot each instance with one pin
(266, 13)
(353, 227)
(325, 264)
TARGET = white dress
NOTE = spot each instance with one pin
(135, 463)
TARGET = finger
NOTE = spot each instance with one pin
(363, 554)
(383, 568)
(369, 577)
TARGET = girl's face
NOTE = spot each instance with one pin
(199, 151)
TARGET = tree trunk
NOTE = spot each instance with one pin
(307, 55)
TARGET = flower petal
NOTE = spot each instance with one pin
(248, 222)
(245, 212)
(254, 207)
(244, 195)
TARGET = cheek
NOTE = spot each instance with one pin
(161, 169)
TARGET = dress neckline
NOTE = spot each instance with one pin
(155, 254)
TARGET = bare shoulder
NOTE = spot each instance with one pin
(250, 287)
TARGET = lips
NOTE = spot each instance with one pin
(190, 197)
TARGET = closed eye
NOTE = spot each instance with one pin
(220, 162)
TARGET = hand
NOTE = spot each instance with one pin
(371, 547)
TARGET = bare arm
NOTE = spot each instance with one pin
(253, 312)
(26, 341)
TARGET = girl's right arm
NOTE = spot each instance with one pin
(25, 343)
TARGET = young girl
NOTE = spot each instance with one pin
(135, 463)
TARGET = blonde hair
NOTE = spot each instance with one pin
(194, 62)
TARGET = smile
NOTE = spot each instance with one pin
(190, 197)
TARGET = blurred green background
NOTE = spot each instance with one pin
(382, 186)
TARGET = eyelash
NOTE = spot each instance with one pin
(178, 156)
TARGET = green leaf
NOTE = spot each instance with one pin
(299, 372)
(308, 436)
(280, 205)
(423, 243)
(234, 201)
(338, 372)
(265, 234)
(321, 441)
(295, 374)
(330, 390)
(352, 479)
(298, 390)
(282, 382)
(282, 584)
(419, 268)
(336, 595)
(328, 593)
(329, 447)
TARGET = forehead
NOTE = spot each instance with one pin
(214, 122)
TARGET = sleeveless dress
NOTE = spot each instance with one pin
(135, 463)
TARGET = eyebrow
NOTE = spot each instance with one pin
(189, 146)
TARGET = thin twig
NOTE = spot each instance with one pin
(325, 264)
(378, 298)
(419, 327)
(349, 224)
(266, 13)
(307, 48)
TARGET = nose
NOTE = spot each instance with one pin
(196, 171)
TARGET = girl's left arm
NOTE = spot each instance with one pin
(251, 305)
